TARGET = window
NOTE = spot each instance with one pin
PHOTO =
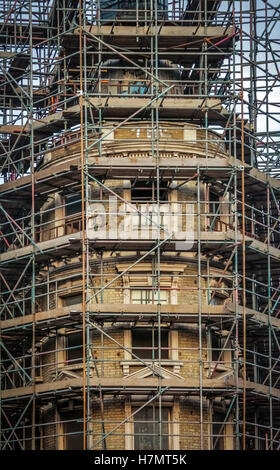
(147, 191)
(216, 300)
(222, 430)
(145, 343)
(148, 296)
(214, 202)
(73, 430)
(218, 435)
(221, 352)
(216, 347)
(147, 429)
(72, 300)
(134, 88)
(139, 88)
(74, 347)
(73, 204)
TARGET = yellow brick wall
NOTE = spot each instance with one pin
(49, 431)
(189, 354)
(190, 429)
(114, 414)
(109, 357)
(114, 293)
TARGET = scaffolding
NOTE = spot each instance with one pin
(110, 108)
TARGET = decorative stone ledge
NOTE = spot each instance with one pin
(176, 365)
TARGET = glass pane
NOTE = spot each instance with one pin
(148, 296)
(75, 341)
(73, 430)
(143, 191)
(163, 296)
(216, 347)
(72, 300)
(142, 344)
(73, 204)
(136, 296)
(147, 429)
(218, 436)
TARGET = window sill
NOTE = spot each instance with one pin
(219, 367)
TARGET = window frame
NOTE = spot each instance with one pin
(62, 423)
(155, 351)
(152, 435)
(151, 188)
(76, 360)
(173, 424)
(148, 293)
(78, 200)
